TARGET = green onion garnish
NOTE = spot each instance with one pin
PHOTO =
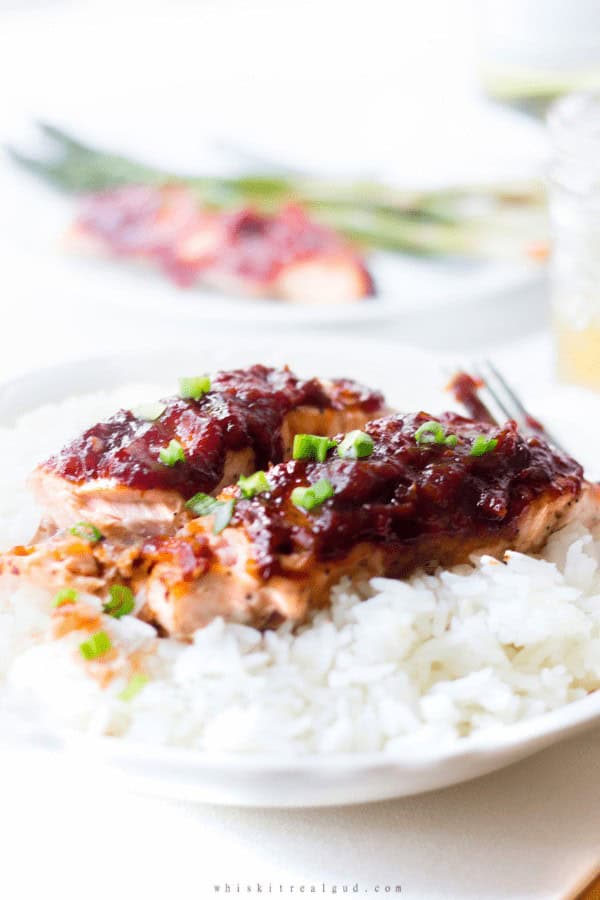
(121, 601)
(149, 412)
(356, 445)
(432, 432)
(310, 497)
(253, 485)
(97, 645)
(65, 595)
(135, 684)
(222, 515)
(205, 505)
(311, 446)
(482, 445)
(172, 454)
(201, 504)
(86, 531)
(194, 388)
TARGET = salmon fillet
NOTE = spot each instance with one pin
(404, 507)
(284, 254)
(113, 475)
(421, 492)
(67, 560)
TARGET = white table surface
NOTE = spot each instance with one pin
(531, 831)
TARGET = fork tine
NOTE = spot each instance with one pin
(509, 392)
(500, 401)
(493, 398)
(511, 404)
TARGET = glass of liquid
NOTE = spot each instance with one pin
(574, 197)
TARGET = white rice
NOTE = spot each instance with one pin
(433, 658)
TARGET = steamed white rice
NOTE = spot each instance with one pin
(433, 658)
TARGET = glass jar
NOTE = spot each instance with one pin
(574, 195)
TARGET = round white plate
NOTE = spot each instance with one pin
(407, 287)
(411, 380)
(432, 304)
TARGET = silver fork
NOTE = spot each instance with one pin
(504, 403)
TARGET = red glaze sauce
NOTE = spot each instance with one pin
(244, 408)
(257, 246)
(465, 388)
(403, 491)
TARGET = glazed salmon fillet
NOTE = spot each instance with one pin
(117, 476)
(283, 254)
(479, 489)
(384, 497)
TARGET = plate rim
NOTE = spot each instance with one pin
(218, 308)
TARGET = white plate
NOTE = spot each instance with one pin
(410, 379)
(432, 304)
(407, 288)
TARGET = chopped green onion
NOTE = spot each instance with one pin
(194, 388)
(311, 446)
(201, 504)
(310, 497)
(222, 515)
(323, 490)
(172, 454)
(121, 601)
(356, 445)
(482, 445)
(253, 485)
(135, 684)
(205, 505)
(65, 595)
(86, 531)
(432, 432)
(149, 412)
(97, 645)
